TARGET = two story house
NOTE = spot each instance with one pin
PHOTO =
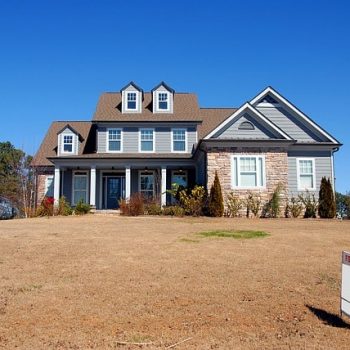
(146, 141)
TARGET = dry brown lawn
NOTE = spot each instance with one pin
(89, 282)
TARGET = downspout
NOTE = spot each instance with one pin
(334, 150)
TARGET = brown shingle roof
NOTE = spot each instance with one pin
(211, 118)
(109, 109)
(48, 147)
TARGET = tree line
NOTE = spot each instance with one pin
(17, 180)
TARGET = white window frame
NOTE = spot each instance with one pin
(136, 101)
(313, 174)
(83, 173)
(47, 178)
(263, 175)
(121, 140)
(172, 140)
(154, 140)
(63, 143)
(168, 101)
(149, 172)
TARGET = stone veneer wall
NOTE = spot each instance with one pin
(276, 169)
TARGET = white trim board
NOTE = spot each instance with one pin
(274, 93)
(249, 107)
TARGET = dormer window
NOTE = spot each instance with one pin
(163, 98)
(68, 143)
(163, 101)
(131, 101)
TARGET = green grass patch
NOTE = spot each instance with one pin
(189, 240)
(239, 234)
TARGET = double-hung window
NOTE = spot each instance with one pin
(131, 102)
(147, 186)
(67, 143)
(179, 140)
(146, 140)
(163, 101)
(80, 187)
(114, 140)
(248, 171)
(306, 174)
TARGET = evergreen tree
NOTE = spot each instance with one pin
(326, 207)
(216, 203)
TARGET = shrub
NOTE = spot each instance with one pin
(295, 207)
(310, 204)
(193, 201)
(326, 206)
(174, 210)
(216, 204)
(153, 209)
(234, 205)
(272, 208)
(133, 206)
(82, 208)
(253, 203)
(63, 207)
(46, 207)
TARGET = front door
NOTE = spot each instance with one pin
(113, 191)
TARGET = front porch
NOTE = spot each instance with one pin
(104, 186)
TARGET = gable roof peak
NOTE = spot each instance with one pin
(132, 84)
(163, 83)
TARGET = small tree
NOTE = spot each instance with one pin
(326, 206)
(216, 203)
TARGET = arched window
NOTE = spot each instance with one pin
(246, 126)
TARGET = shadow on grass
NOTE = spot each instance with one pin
(328, 318)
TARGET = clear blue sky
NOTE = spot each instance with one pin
(56, 57)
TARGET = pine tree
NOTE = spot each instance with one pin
(326, 207)
(216, 203)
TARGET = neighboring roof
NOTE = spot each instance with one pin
(162, 83)
(247, 106)
(280, 98)
(211, 118)
(109, 109)
(48, 147)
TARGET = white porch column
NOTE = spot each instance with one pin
(93, 186)
(163, 187)
(56, 188)
(127, 181)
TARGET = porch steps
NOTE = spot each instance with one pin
(106, 212)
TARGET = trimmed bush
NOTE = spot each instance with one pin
(253, 203)
(174, 210)
(234, 205)
(310, 204)
(134, 206)
(46, 207)
(295, 207)
(193, 201)
(153, 209)
(326, 207)
(272, 208)
(216, 203)
(63, 207)
(82, 208)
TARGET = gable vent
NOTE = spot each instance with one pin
(246, 126)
